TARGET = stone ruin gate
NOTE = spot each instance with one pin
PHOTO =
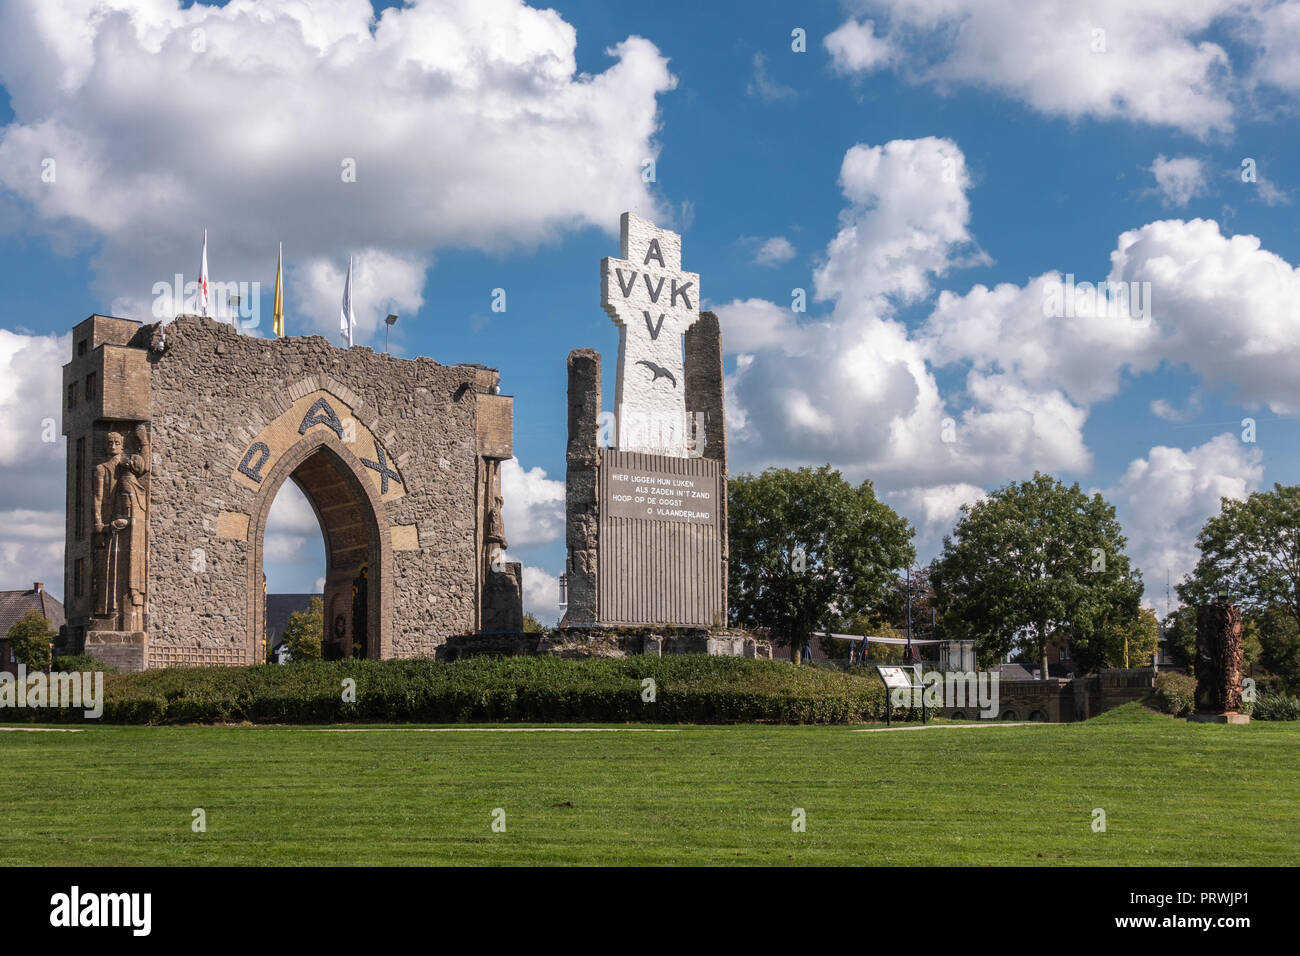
(180, 436)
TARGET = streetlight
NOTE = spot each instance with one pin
(388, 323)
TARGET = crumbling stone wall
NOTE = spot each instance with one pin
(582, 484)
(705, 389)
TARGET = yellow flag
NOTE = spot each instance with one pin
(277, 310)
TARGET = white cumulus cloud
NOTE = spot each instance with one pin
(775, 251)
(1179, 180)
(541, 595)
(1147, 61)
(466, 122)
(855, 48)
(1165, 498)
(534, 505)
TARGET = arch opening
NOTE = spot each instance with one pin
(293, 569)
(349, 516)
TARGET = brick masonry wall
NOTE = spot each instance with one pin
(214, 391)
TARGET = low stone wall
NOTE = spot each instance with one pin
(1046, 700)
(579, 642)
(1060, 700)
(1098, 693)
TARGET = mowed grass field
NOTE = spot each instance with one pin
(1173, 793)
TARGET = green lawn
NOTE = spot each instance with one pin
(1173, 793)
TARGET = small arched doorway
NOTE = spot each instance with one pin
(357, 553)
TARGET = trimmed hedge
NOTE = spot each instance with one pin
(690, 688)
(67, 663)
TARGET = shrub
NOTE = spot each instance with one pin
(1276, 707)
(1175, 694)
(690, 688)
(67, 663)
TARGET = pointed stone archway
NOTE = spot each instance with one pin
(351, 517)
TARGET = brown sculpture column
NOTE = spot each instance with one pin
(1218, 663)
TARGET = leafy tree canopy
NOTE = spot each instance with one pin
(29, 640)
(1250, 551)
(1034, 560)
(807, 549)
(304, 631)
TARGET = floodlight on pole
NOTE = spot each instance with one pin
(388, 323)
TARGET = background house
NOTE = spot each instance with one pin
(14, 604)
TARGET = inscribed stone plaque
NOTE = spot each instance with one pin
(661, 496)
(667, 566)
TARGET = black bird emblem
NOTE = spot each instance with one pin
(659, 372)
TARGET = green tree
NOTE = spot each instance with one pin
(874, 625)
(1129, 641)
(1279, 646)
(1250, 551)
(29, 639)
(919, 592)
(1180, 636)
(532, 625)
(1033, 561)
(304, 631)
(808, 549)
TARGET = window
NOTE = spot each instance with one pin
(1065, 652)
(79, 489)
(90, 387)
(81, 347)
(79, 577)
(72, 395)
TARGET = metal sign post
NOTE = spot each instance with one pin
(894, 678)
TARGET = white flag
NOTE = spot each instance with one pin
(203, 278)
(347, 318)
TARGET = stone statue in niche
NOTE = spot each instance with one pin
(121, 505)
(494, 526)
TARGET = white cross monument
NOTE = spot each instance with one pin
(653, 303)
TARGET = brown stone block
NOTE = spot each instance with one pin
(496, 415)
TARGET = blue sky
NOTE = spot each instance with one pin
(753, 143)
